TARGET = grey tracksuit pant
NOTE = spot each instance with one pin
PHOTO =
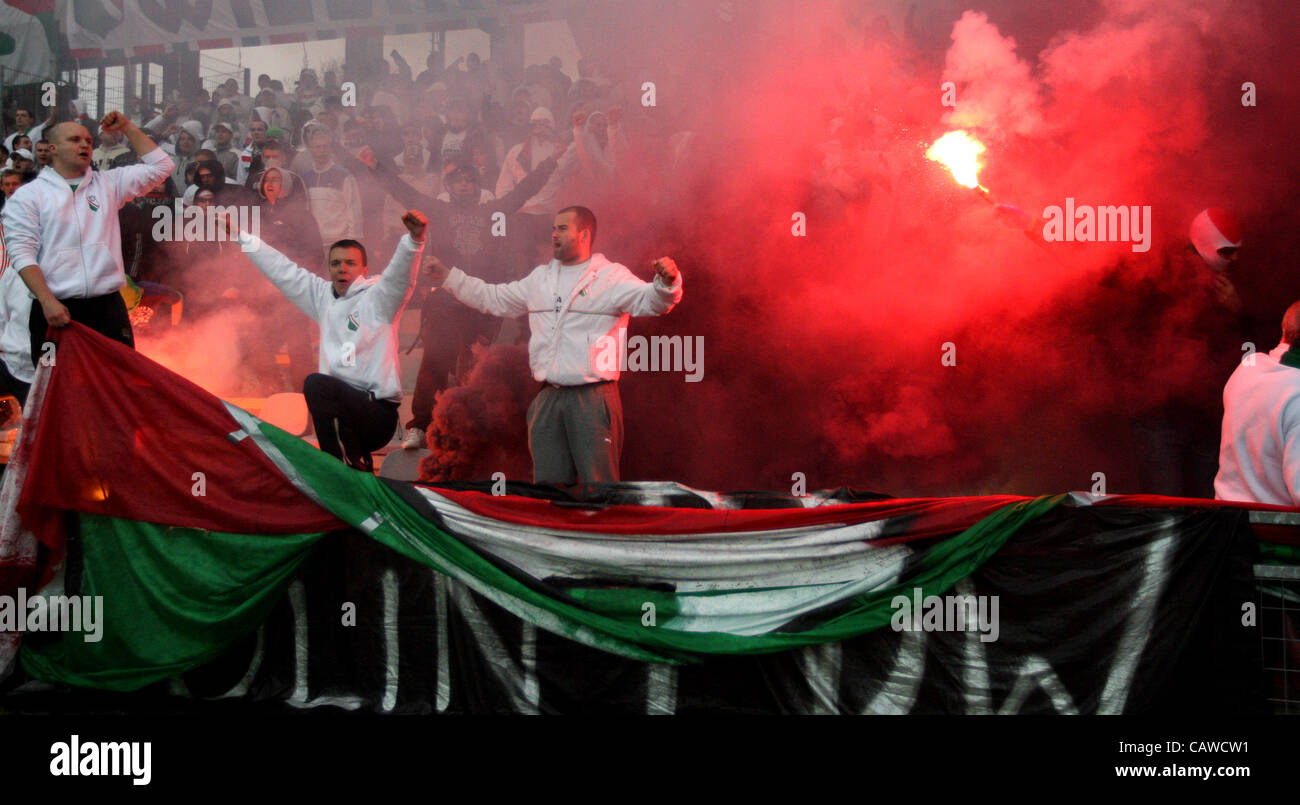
(575, 434)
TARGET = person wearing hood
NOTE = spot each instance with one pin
(300, 160)
(286, 220)
(222, 143)
(62, 232)
(210, 174)
(189, 140)
(1197, 293)
(275, 155)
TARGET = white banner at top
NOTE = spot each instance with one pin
(114, 28)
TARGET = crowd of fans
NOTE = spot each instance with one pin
(321, 163)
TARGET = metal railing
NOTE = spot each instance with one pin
(1279, 621)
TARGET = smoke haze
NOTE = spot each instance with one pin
(824, 352)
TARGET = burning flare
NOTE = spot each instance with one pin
(959, 153)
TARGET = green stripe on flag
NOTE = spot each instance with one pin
(176, 598)
(173, 599)
(612, 620)
(1279, 553)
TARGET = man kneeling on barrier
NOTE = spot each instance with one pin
(354, 397)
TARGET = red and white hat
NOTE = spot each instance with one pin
(1214, 229)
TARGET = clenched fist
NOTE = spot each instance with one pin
(114, 121)
(666, 269)
(415, 223)
(367, 157)
(436, 269)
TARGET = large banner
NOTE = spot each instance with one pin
(117, 28)
(28, 39)
(169, 534)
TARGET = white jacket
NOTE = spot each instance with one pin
(563, 346)
(75, 237)
(358, 331)
(15, 336)
(1259, 452)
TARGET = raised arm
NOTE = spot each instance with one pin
(300, 286)
(507, 299)
(369, 168)
(531, 185)
(398, 280)
(640, 298)
(154, 168)
(403, 69)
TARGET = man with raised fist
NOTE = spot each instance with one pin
(63, 236)
(575, 302)
(353, 399)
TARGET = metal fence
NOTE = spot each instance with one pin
(1279, 621)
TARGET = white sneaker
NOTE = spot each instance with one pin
(414, 439)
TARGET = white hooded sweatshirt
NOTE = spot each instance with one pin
(358, 331)
(75, 237)
(569, 331)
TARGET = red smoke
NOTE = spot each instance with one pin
(478, 428)
(824, 352)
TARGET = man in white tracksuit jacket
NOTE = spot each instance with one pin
(16, 369)
(1259, 445)
(353, 400)
(63, 236)
(575, 304)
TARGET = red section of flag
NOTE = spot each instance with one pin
(121, 436)
(148, 50)
(927, 517)
(208, 44)
(1163, 502)
(32, 7)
